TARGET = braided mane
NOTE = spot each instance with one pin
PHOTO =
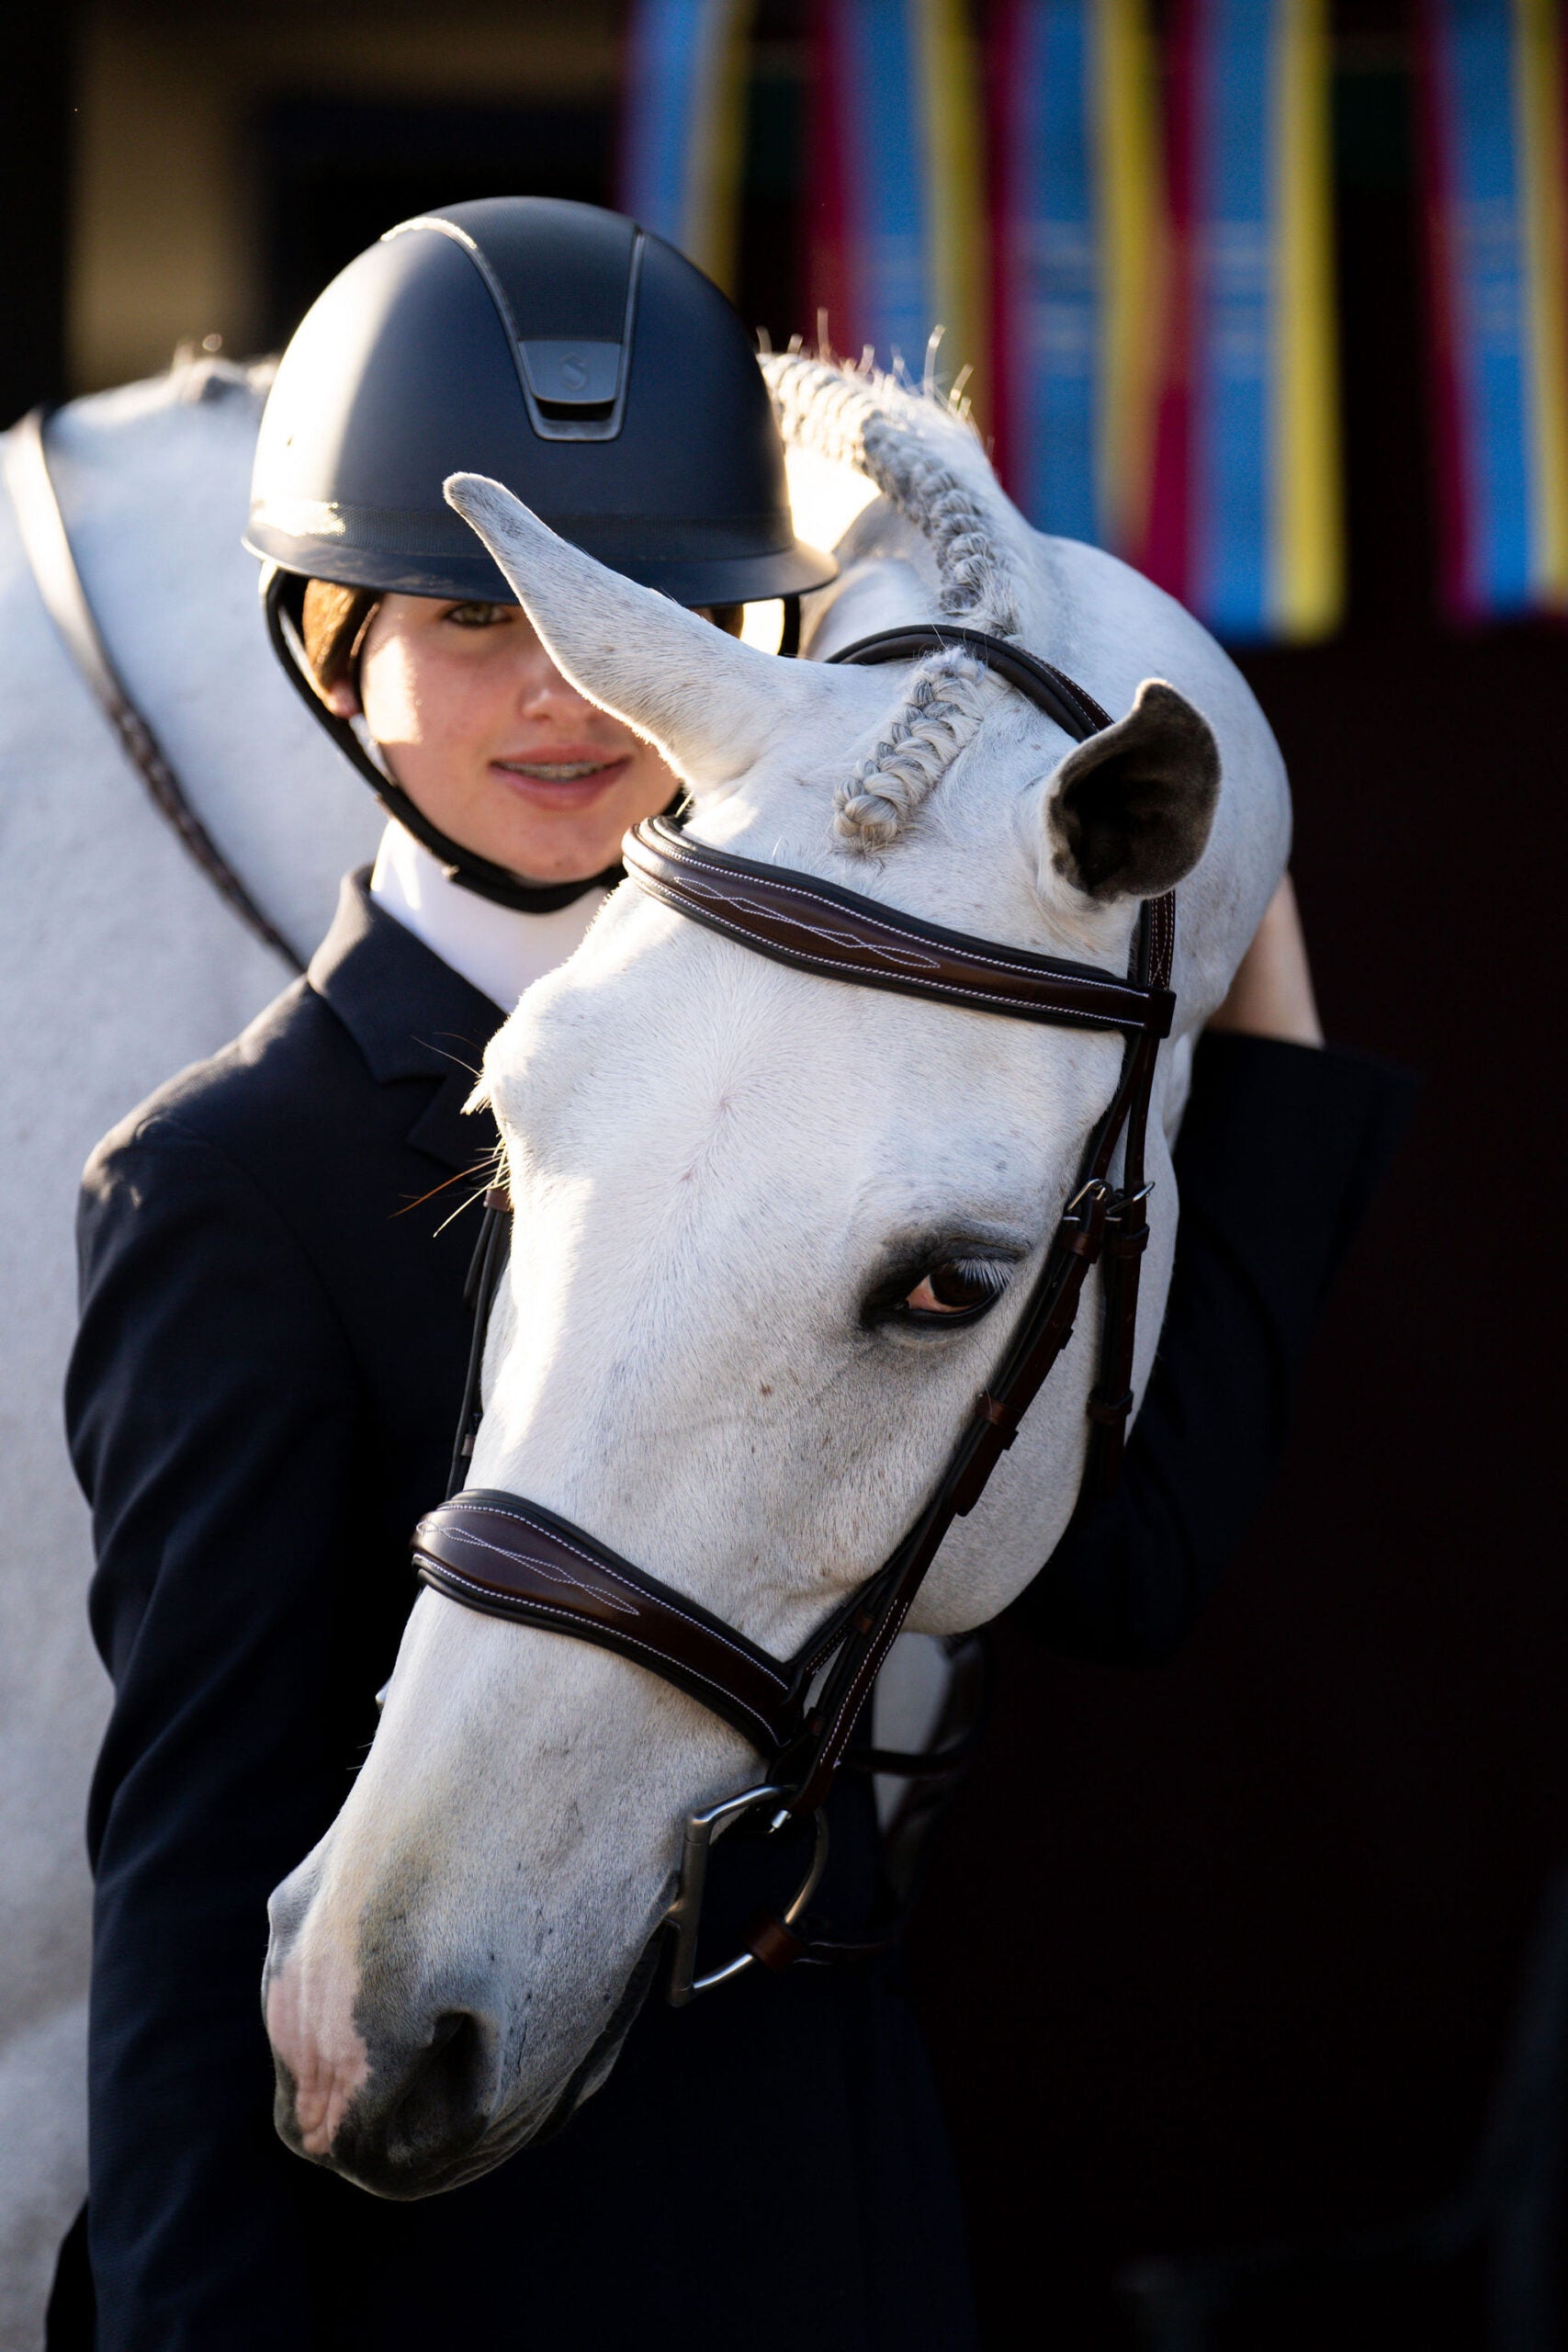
(925, 460)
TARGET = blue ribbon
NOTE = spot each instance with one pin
(1054, 238)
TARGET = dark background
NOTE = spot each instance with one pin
(1225, 1952)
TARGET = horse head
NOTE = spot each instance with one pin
(742, 1194)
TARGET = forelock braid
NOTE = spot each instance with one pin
(944, 707)
(896, 437)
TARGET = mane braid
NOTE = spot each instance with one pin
(894, 435)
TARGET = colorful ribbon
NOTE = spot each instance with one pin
(1079, 253)
(1496, 201)
(1246, 509)
(898, 244)
(682, 124)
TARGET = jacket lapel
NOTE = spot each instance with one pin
(457, 1138)
(411, 1016)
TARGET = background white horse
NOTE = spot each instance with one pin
(119, 963)
(714, 1162)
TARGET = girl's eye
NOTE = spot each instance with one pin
(953, 1291)
(479, 615)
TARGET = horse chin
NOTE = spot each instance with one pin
(600, 2064)
(369, 2164)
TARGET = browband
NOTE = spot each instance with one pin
(817, 927)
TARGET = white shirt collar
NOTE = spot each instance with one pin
(498, 950)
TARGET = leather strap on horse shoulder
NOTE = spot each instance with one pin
(47, 546)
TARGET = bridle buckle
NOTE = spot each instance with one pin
(684, 1915)
(1098, 1193)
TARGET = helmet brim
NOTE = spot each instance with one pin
(469, 571)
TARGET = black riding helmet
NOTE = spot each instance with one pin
(568, 353)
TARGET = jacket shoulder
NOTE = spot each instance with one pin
(272, 1094)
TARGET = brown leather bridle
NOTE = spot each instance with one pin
(509, 1557)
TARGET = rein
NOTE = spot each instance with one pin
(46, 543)
(508, 1557)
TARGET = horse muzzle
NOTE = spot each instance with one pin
(419, 2103)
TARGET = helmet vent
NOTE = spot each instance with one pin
(575, 387)
(571, 377)
(576, 390)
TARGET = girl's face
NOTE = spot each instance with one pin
(486, 738)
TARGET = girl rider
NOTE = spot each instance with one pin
(272, 1344)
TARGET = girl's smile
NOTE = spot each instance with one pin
(559, 776)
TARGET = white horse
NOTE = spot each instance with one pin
(714, 1162)
(119, 963)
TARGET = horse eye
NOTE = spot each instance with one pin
(954, 1291)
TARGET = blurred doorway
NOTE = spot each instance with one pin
(335, 173)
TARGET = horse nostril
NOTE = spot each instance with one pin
(447, 2098)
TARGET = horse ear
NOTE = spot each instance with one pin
(1128, 812)
(708, 703)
